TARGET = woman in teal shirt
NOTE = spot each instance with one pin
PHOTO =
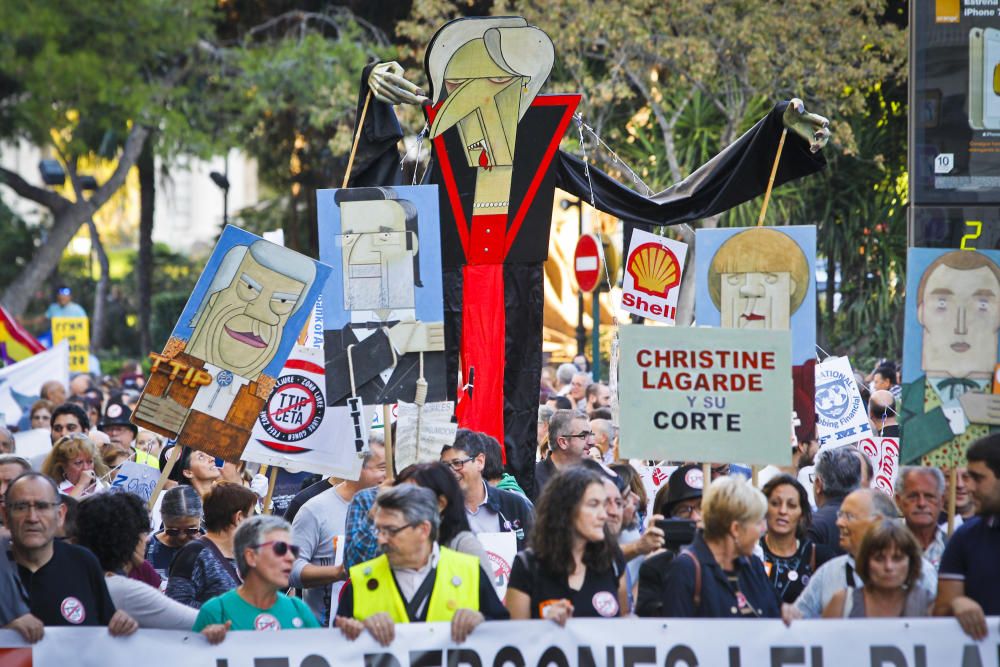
(264, 556)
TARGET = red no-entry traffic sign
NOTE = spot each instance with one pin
(588, 262)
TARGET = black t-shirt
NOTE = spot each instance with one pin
(597, 597)
(789, 575)
(69, 589)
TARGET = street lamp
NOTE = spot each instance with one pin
(223, 183)
(581, 333)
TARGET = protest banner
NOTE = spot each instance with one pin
(653, 478)
(652, 278)
(422, 431)
(889, 642)
(501, 548)
(76, 330)
(841, 418)
(135, 478)
(230, 343)
(21, 383)
(884, 455)
(700, 394)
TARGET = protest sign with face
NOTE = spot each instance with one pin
(841, 418)
(951, 344)
(700, 394)
(225, 354)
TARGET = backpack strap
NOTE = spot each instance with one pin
(812, 559)
(697, 577)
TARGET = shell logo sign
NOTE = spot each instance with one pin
(653, 271)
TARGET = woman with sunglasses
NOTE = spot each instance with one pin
(180, 512)
(264, 557)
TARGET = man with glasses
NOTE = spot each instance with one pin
(570, 438)
(489, 509)
(414, 579)
(62, 583)
(860, 511)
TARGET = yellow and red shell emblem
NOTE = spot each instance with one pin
(654, 269)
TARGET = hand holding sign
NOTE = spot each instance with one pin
(981, 408)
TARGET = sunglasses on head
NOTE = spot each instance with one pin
(280, 547)
(174, 532)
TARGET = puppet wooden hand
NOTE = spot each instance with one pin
(812, 127)
(388, 85)
(409, 337)
(981, 408)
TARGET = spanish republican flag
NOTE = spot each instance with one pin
(19, 343)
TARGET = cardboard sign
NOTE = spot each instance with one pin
(76, 330)
(501, 549)
(297, 430)
(699, 394)
(841, 418)
(652, 279)
(228, 348)
(884, 455)
(135, 478)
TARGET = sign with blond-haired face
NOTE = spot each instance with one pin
(701, 394)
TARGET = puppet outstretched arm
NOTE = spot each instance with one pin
(388, 85)
(810, 126)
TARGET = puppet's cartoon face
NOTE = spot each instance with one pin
(484, 101)
(960, 315)
(377, 252)
(241, 326)
(756, 300)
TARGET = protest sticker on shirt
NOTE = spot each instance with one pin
(841, 418)
(884, 455)
(501, 548)
(705, 394)
(652, 277)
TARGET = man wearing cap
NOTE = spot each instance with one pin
(414, 579)
(681, 501)
(122, 432)
(64, 306)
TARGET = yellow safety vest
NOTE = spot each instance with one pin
(456, 586)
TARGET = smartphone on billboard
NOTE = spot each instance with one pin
(991, 79)
(974, 101)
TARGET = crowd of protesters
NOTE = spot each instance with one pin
(401, 546)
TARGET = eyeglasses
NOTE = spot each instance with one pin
(581, 434)
(847, 516)
(458, 464)
(174, 532)
(392, 531)
(280, 547)
(685, 511)
(24, 507)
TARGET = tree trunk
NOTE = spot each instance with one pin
(144, 265)
(97, 319)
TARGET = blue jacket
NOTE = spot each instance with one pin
(516, 513)
(718, 600)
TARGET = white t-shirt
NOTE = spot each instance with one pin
(320, 521)
(148, 606)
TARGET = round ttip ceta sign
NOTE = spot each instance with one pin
(294, 410)
(588, 262)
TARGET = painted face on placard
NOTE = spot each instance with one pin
(377, 253)
(960, 316)
(241, 326)
(756, 300)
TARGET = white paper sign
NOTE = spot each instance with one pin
(135, 478)
(652, 278)
(501, 549)
(884, 455)
(653, 479)
(841, 418)
(430, 424)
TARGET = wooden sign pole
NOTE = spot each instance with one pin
(272, 478)
(175, 453)
(390, 466)
(952, 483)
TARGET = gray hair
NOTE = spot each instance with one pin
(603, 426)
(906, 471)
(416, 503)
(251, 533)
(545, 413)
(5, 434)
(6, 459)
(375, 438)
(840, 471)
(565, 373)
(561, 424)
(882, 504)
(181, 502)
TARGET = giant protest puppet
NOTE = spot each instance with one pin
(497, 163)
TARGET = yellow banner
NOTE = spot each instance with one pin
(76, 330)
